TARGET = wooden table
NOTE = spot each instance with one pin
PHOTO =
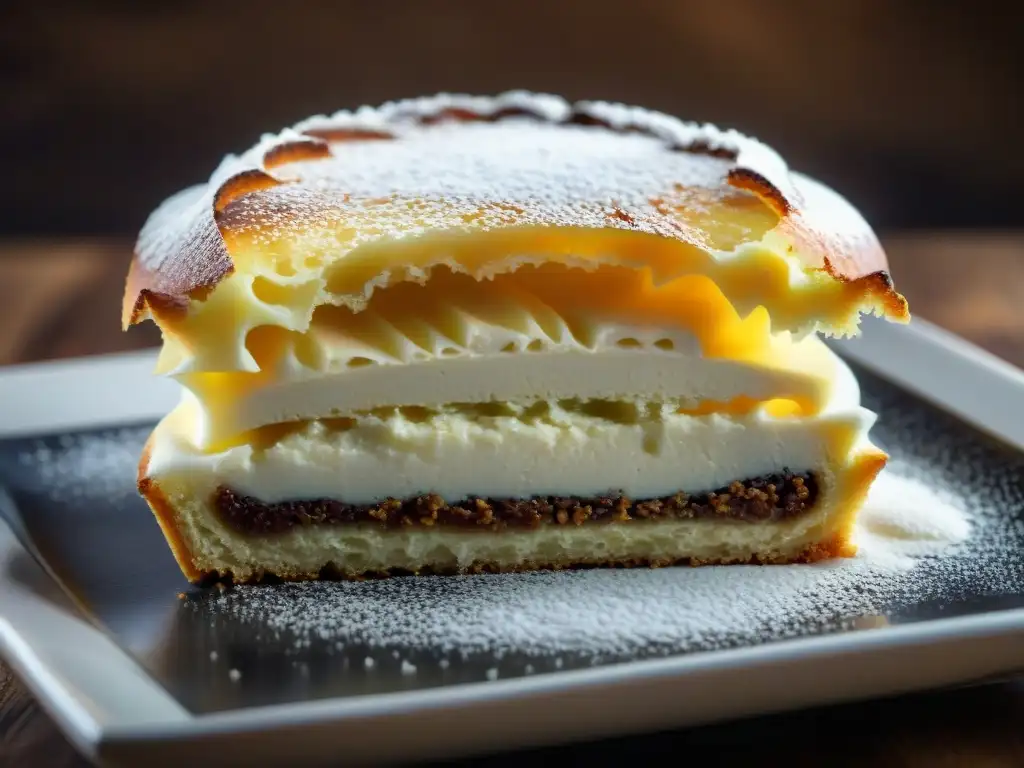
(61, 299)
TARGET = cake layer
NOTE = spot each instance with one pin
(569, 450)
(206, 547)
(366, 550)
(641, 449)
(761, 500)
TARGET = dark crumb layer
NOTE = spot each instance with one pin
(763, 499)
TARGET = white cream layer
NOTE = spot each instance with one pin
(624, 362)
(568, 454)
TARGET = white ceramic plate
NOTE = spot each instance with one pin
(91, 620)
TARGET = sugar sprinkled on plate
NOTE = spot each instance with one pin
(88, 466)
(941, 524)
(604, 614)
(905, 519)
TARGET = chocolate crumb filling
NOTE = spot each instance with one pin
(766, 499)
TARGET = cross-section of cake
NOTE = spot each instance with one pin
(458, 334)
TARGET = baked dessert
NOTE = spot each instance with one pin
(459, 333)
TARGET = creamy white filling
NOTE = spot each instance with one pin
(482, 372)
(569, 453)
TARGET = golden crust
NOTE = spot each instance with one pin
(183, 249)
(174, 268)
(164, 514)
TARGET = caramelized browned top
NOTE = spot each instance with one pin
(466, 162)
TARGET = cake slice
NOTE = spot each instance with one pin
(460, 334)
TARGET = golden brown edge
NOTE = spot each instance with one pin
(142, 296)
(165, 516)
(877, 288)
(845, 265)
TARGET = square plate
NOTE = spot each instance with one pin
(134, 665)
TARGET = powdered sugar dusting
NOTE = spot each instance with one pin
(904, 519)
(616, 614)
(87, 466)
(455, 176)
(531, 167)
(514, 159)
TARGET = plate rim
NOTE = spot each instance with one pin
(974, 385)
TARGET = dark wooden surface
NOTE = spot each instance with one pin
(107, 106)
(62, 298)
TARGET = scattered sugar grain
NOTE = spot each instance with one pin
(89, 466)
(442, 172)
(492, 673)
(235, 675)
(608, 614)
(906, 518)
(929, 525)
(213, 655)
(369, 663)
